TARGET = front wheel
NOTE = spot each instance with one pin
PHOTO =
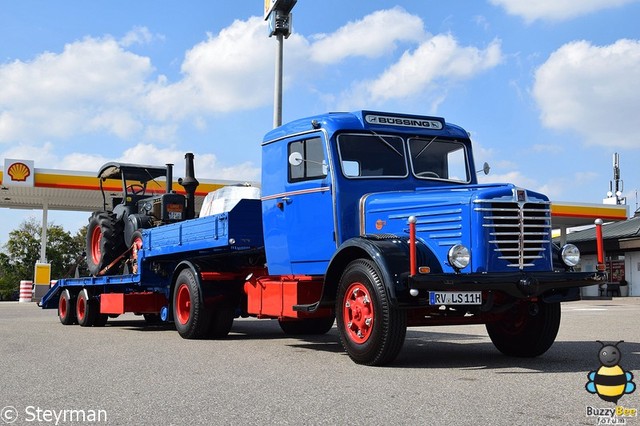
(371, 330)
(527, 330)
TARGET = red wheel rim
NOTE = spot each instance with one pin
(358, 313)
(62, 307)
(96, 238)
(183, 304)
(82, 307)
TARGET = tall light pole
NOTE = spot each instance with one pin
(278, 13)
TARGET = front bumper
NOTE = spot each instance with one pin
(521, 285)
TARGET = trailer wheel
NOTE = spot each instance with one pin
(66, 308)
(86, 309)
(101, 320)
(371, 330)
(105, 242)
(527, 330)
(310, 326)
(221, 321)
(191, 317)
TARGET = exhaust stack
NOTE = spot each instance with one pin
(190, 183)
(169, 178)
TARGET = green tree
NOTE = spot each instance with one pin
(23, 251)
(9, 281)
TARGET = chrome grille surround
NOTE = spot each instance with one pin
(519, 228)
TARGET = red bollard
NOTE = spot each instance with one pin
(600, 245)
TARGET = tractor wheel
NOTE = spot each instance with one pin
(66, 308)
(192, 318)
(527, 330)
(309, 326)
(86, 309)
(105, 242)
(371, 330)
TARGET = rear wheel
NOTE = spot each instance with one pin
(105, 242)
(86, 309)
(311, 326)
(527, 330)
(371, 330)
(191, 317)
(66, 308)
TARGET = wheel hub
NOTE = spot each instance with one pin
(358, 313)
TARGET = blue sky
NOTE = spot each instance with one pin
(548, 89)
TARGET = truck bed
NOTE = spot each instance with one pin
(237, 231)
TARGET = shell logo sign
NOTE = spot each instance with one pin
(18, 173)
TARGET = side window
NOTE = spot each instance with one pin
(313, 164)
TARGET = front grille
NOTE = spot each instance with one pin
(518, 232)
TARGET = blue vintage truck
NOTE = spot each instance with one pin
(370, 219)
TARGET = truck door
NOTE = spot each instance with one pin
(303, 210)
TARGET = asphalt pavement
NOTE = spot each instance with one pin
(128, 373)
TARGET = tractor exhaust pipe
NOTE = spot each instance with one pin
(190, 183)
(169, 178)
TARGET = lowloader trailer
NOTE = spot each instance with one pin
(372, 220)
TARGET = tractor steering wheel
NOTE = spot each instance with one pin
(135, 189)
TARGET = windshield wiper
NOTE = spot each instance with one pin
(425, 147)
(387, 143)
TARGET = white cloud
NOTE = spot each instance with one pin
(372, 36)
(556, 10)
(591, 90)
(206, 165)
(432, 67)
(92, 84)
(139, 35)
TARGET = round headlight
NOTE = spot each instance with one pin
(570, 255)
(459, 256)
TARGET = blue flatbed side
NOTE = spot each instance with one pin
(236, 231)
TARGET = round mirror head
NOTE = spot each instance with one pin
(295, 159)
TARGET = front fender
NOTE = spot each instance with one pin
(391, 256)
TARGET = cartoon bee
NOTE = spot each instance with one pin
(610, 381)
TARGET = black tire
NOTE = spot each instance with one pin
(527, 330)
(67, 308)
(101, 320)
(371, 330)
(192, 318)
(309, 326)
(86, 309)
(221, 321)
(105, 242)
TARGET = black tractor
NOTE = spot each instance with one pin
(114, 233)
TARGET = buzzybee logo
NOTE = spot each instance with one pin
(610, 382)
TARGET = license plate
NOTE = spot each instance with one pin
(455, 297)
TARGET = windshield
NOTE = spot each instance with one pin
(374, 155)
(439, 159)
